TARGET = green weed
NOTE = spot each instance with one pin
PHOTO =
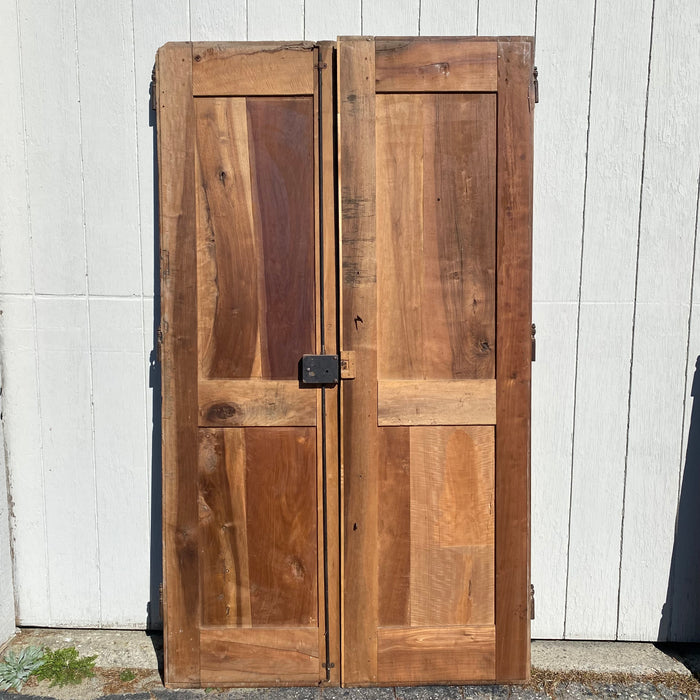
(127, 675)
(65, 667)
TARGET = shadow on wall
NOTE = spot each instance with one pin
(154, 620)
(680, 617)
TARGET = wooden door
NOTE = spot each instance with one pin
(248, 495)
(436, 166)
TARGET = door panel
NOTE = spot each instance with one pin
(255, 204)
(436, 255)
(258, 538)
(421, 142)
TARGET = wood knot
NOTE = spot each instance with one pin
(221, 411)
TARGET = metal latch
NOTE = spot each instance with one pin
(320, 369)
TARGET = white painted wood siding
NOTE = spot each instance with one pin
(616, 432)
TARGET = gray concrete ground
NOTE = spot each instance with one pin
(560, 670)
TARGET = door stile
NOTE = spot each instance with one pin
(176, 167)
(513, 357)
(356, 104)
(329, 329)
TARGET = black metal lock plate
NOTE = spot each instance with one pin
(320, 369)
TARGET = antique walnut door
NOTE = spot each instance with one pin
(247, 495)
(435, 171)
(376, 532)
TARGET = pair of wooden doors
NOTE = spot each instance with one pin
(369, 198)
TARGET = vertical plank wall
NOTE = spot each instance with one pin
(616, 433)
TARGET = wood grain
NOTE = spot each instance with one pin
(460, 216)
(223, 536)
(438, 655)
(262, 68)
(240, 402)
(359, 332)
(513, 357)
(228, 245)
(399, 158)
(255, 222)
(286, 656)
(436, 402)
(179, 365)
(394, 527)
(329, 288)
(410, 65)
(452, 526)
(281, 524)
(281, 144)
(436, 165)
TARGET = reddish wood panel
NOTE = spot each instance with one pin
(258, 527)
(281, 143)
(281, 526)
(255, 203)
(228, 251)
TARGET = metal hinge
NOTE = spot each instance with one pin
(532, 602)
(160, 599)
(533, 330)
(321, 65)
(330, 665)
(536, 85)
(154, 94)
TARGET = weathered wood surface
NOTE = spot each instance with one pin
(436, 402)
(257, 528)
(240, 402)
(436, 177)
(176, 153)
(435, 296)
(358, 267)
(411, 67)
(513, 359)
(437, 654)
(255, 207)
(253, 69)
(330, 528)
(259, 657)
